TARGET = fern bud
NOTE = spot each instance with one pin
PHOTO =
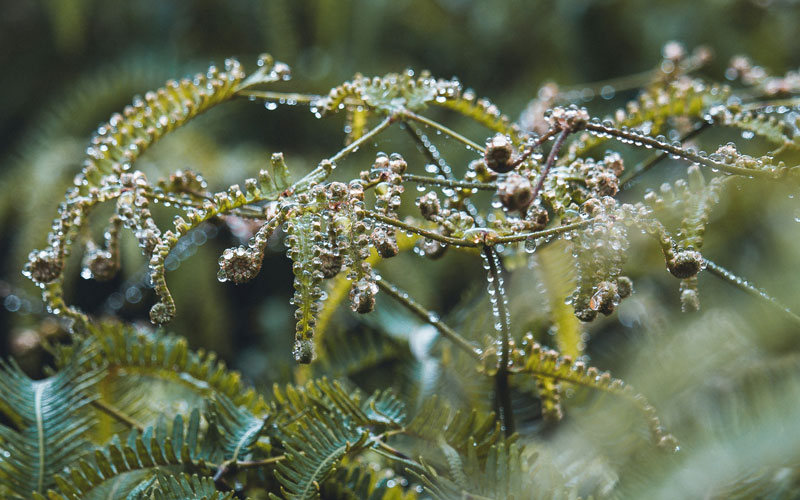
(515, 192)
(498, 154)
(362, 296)
(429, 205)
(537, 217)
(43, 266)
(624, 287)
(161, 313)
(238, 265)
(572, 118)
(685, 264)
(99, 264)
(330, 263)
(385, 241)
(303, 351)
(605, 299)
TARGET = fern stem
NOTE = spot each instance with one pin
(278, 96)
(551, 160)
(535, 144)
(422, 232)
(746, 286)
(634, 137)
(117, 414)
(441, 128)
(501, 317)
(429, 317)
(421, 179)
(657, 157)
(324, 168)
(546, 233)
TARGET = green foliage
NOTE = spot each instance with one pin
(132, 412)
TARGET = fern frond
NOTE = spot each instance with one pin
(178, 445)
(235, 430)
(183, 487)
(541, 362)
(505, 473)
(50, 421)
(313, 452)
(390, 93)
(357, 481)
(132, 353)
(435, 420)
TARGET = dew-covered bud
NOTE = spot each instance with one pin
(605, 299)
(43, 266)
(429, 205)
(161, 313)
(101, 264)
(303, 351)
(515, 192)
(362, 296)
(572, 118)
(330, 264)
(397, 164)
(431, 249)
(538, 217)
(238, 265)
(685, 264)
(498, 154)
(385, 242)
(592, 207)
(624, 287)
(613, 161)
(605, 183)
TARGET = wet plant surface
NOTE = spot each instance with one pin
(438, 296)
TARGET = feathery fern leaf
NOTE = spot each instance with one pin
(235, 430)
(314, 451)
(183, 487)
(50, 420)
(157, 447)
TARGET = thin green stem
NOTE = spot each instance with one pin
(321, 172)
(117, 414)
(501, 316)
(441, 128)
(679, 152)
(547, 233)
(657, 157)
(551, 160)
(282, 97)
(430, 318)
(422, 232)
(421, 179)
(746, 286)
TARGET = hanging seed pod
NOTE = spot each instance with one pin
(499, 153)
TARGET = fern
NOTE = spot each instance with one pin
(322, 441)
(178, 445)
(50, 419)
